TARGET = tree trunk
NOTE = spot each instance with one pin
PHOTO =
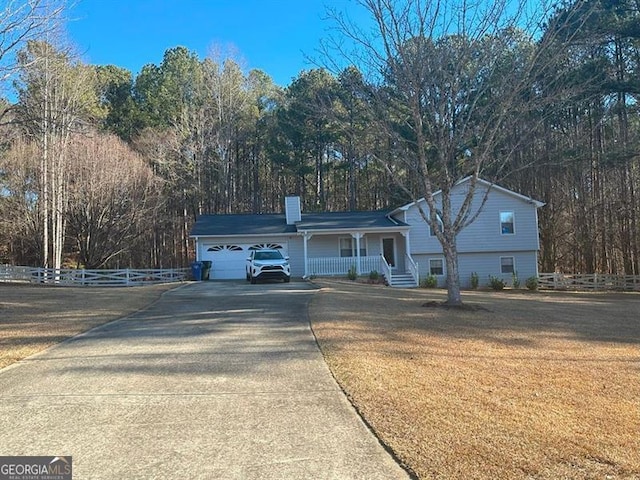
(453, 276)
(45, 195)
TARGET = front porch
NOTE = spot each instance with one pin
(364, 265)
(331, 251)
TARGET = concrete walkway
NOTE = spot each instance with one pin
(216, 380)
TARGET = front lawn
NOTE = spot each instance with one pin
(35, 317)
(524, 385)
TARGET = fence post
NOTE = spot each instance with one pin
(127, 277)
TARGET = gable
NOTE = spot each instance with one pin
(485, 234)
(460, 189)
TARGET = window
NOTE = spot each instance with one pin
(267, 255)
(220, 248)
(266, 246)
(507, 265)
(506, 223)
(436, 266)
(348, 247)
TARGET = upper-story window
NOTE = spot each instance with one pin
(507, 224)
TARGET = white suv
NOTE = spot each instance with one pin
(266, 263)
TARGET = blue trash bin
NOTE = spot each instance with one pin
(196, 271)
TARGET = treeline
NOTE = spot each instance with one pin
(103, 169)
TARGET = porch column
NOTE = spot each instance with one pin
(306, 236)
(407, 243)
(357, 236)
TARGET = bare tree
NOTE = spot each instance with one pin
(56, 98)
(113, 198)
(450, 78)
(230, 100)
(20, 225)
(21, 21)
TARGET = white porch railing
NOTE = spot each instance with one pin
(412, 268)
(81, 277)
(341, 265)
(386, 269)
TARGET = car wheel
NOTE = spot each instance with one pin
(248, 277)
(253, 281)
(287, 279)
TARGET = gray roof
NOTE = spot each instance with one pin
(269, 224)
(347, 220)
(274, 224)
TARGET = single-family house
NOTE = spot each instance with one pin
(398, 244)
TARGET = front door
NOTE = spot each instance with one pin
(389, 251)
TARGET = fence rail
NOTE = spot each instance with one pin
(593, 281)
(81, 277)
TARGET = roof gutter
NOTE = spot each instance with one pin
(354, 229)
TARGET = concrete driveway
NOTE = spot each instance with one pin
(216, 380)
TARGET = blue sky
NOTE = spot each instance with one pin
(271, 35)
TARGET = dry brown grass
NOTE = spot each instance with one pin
(533, 385)
(34, 317)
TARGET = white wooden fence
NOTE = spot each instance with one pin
(81, 277)
(593, 281)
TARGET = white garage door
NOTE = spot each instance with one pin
(229, 259)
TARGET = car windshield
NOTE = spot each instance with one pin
(275, 255)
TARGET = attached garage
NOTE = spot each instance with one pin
(228, 259)
(227, 240)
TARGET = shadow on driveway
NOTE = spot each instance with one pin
(215, 380)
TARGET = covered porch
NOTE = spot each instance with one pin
(335, 253)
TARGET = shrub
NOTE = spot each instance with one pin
(475, 280)
(496, 283)
(352, 274)
(430, 281)
(374, 275)
(515, 281)
(532, 283)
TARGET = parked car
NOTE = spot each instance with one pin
(266, 263)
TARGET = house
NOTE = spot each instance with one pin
(502, 241)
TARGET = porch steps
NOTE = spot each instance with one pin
(402, 280)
